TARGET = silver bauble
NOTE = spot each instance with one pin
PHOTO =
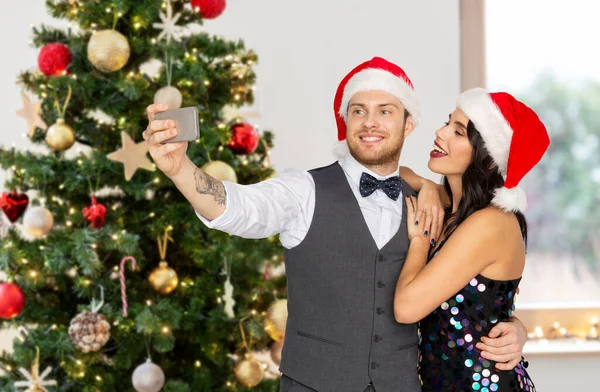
(38, 221)
(169, 95)
(148, 377)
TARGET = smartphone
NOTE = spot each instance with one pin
(186, 122)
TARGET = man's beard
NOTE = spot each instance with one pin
(388, 156)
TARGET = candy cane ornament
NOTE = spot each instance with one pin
(122, 274)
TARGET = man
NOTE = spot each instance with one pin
(344, 231)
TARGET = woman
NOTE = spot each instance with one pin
(490, 142)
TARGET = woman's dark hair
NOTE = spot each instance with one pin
(479, 182)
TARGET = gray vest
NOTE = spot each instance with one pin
(341, 333)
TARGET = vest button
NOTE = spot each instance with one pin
(380, 311)
(380, 284)
(377, 338)
(374, 365)
(381, 258)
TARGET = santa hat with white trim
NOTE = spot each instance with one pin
(375, 74)
(514, 136)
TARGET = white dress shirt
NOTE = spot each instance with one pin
(286, 205)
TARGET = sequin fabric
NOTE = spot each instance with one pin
(449, 360)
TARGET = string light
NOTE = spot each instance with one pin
(69, 223)
(198, 364)
(98, 378)
(33, 274)
(9, 368)
(24, 261)
(166, 330)
(148, 302)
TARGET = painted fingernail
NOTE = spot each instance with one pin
(432, 242)
(426, 232)
(416, 222)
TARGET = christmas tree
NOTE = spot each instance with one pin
(113, 282)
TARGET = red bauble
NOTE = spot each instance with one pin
(14, 204)
(12, 300)
(54, 59)
(94, 214)
(244, 138)
(209, 9)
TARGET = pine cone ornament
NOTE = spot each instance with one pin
(89, 331)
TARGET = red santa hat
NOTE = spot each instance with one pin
(375, 74)
(514, 136)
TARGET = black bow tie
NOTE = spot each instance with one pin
(391, 186)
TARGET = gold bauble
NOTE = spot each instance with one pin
(276, 352)
(276, 319)
(108, 50)
(220, 170)
(164, 278)
(60, 136)
(249, 372)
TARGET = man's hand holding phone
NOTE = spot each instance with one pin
(169, 157)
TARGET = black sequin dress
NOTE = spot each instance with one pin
(449, 360)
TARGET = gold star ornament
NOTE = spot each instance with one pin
(31, 113)
(132, 155)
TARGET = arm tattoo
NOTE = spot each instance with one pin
(207, 185)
